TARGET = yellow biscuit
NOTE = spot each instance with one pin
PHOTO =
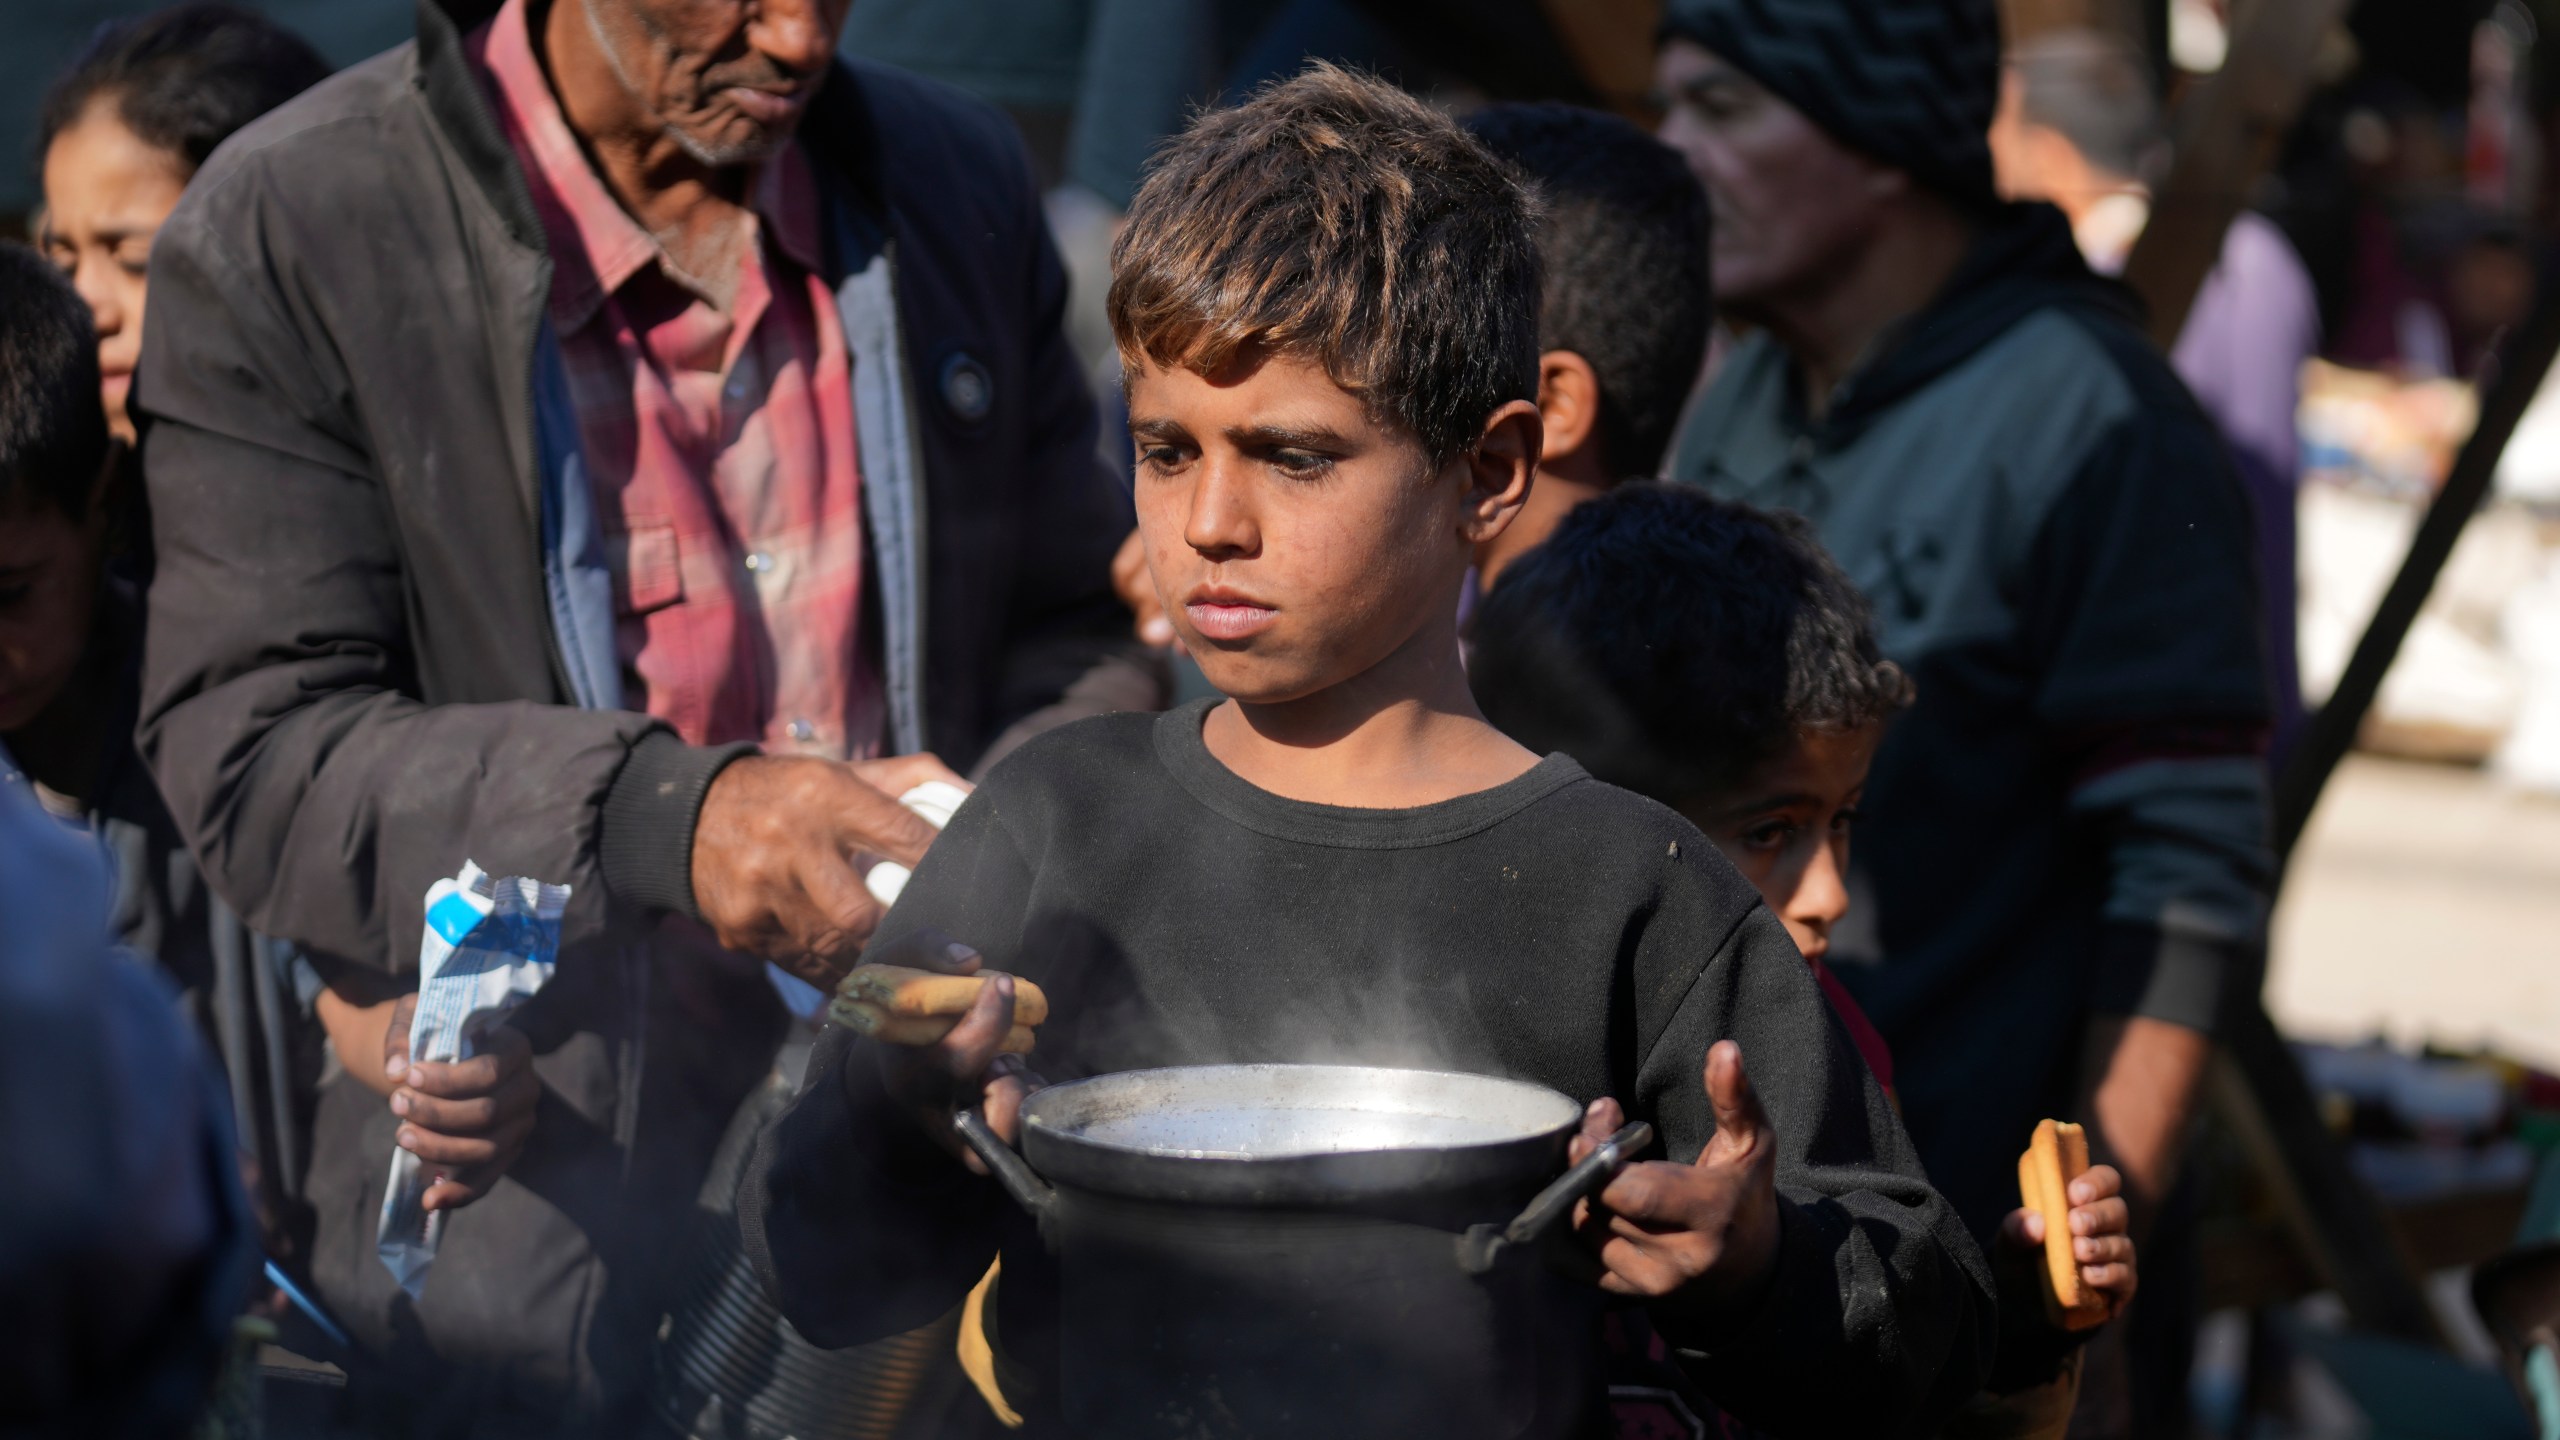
(869, 1019)
(2059, 1155)
(902, 991)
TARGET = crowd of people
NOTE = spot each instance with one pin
(627, 444)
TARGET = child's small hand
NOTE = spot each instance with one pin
(965, 1067)
(469, 1119)
(1703, 1237)
(2101, 1242)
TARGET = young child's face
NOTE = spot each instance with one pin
(1296, 540)
(48, 593)
(1787, 829)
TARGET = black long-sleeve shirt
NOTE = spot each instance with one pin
(1552, 928)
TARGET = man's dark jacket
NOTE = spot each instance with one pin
(2071, 821)
(380, 630)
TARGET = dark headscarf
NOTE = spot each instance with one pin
(1911, 82)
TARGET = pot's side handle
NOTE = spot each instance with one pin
(1014, 1173)
(1553, 1205)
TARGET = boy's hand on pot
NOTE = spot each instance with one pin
(468, 1119)
(774, 868)
(964, 1068)
(2101, 1236)
(1703, 1237)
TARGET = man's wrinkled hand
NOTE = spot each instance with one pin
(779, 848)
(467, 1119)
(1701, 1240)
(965, 1067)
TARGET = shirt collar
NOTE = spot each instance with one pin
(595, 244)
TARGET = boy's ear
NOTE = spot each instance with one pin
(1500, 468)
(1568, 405)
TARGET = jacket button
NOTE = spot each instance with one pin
(968, 391)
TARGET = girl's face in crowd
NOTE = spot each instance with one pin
(105, 195)
(1787, 829)
(1295, 539)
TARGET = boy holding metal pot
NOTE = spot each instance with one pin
(1326, 304)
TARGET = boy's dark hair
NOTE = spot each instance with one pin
(182, 79)
(1675, 643)
(53, 423)
(1622, 247)
(1335, 219)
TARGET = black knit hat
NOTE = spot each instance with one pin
(1911, 82)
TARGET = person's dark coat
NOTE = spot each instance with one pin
(381, 628)
(2071, 821)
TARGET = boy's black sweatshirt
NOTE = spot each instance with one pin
(1553, 928)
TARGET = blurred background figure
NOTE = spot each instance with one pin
(126, 1247)
(1094, 85)
(125, 1242)
(2063, 875)
(124, 130)
(2079, 126)
(120, 133)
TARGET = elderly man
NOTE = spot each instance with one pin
(587, 445)
(2063, 863)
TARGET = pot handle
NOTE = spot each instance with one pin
(1478, 1248)
(1013, 1172)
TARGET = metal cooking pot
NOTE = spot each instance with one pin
(1284, 1250)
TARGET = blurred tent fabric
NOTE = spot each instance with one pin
(44, 35)
(1096, 84)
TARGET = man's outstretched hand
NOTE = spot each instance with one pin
(1699, 1239)
(775, 868)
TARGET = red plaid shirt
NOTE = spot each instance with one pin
(720, 444)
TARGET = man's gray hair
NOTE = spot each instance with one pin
(2095, 90)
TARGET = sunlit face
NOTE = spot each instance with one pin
(48, 589)
(1787, 829)
(727, 79)
(106, 193)
(1789, 202)
(1295, 539)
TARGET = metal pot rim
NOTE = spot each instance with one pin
(1536, 1122)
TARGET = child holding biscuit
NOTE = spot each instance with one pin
(1748, 693)
(1326, 304)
